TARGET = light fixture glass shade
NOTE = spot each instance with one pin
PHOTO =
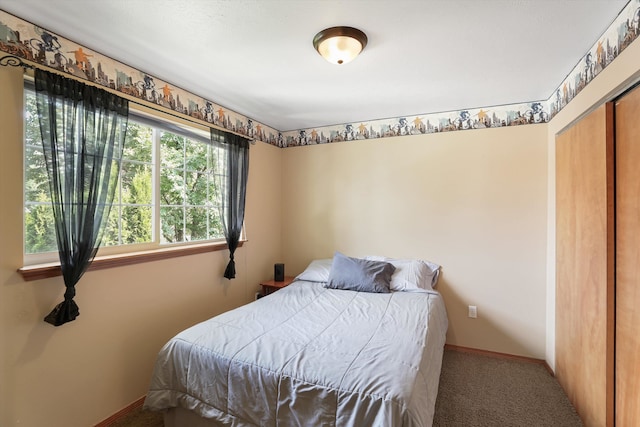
(340, 45)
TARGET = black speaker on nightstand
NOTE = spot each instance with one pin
(278, 272)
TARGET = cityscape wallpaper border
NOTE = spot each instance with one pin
(620, 34)
(35, 44)
(38, 45)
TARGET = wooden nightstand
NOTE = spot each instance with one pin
(270, 286)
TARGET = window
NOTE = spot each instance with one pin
(187, 196)
(165, 193)
(131, 217)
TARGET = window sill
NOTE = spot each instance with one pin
(44, 271)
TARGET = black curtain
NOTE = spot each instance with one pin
(83, 131)
(232, 188)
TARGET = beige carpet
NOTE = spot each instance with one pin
(478, 390)
(475, 391)
(140, 418)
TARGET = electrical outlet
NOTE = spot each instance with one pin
(473, 311)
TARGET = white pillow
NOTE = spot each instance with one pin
(411, 275)
(317, 271)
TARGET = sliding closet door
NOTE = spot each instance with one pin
(628, 260)
(585, 265)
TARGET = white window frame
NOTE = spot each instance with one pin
(159, 122)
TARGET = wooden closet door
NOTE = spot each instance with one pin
(628, 260)
(585, 265)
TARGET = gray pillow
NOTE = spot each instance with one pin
(355, 274)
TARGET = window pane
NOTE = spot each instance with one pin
(31, 122)
(189, 184)
(216, 160)
(139, 143)
(136, 183)
(111, 236)
(171, 150)
(39, 229)
(36, 184)
(136, 224)
(215, 224)
(213, 196)
(196, 156)
(196, 188)
(172, 224)
(196, 224)
(171, 187)
(129, 222)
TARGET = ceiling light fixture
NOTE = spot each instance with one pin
(340, 45)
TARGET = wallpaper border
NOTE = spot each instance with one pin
(618, 36)
(40, 46)
(30, 42)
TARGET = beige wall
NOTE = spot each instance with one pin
(618, 76)
(80, 373)
(472, 201)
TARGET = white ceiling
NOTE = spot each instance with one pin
(255, 56)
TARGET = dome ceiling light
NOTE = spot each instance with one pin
(340, 45)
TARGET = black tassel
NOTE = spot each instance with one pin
(230, 271)
(64, 312)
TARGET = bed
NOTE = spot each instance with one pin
(315, 353)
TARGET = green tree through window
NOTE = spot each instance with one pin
(182, 209)
(131, 216)
(38, 214)
(188, 210)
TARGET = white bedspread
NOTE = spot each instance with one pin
(309, 356)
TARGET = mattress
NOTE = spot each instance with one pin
(309, 356)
